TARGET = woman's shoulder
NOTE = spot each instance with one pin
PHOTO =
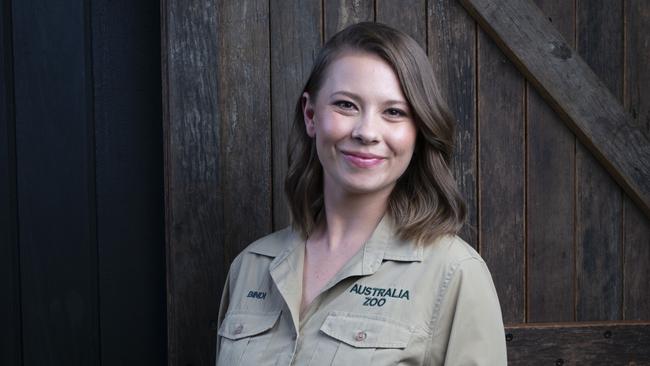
(451, 249)
(455, 257)
(461, 265)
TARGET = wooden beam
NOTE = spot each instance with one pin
(567, 83)
(579, 344)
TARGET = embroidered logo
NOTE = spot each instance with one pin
(256, 295)
(376, 296)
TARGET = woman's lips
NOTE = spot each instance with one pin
(362, 160)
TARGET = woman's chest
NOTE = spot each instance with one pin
(379, 319)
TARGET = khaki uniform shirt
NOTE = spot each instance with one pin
(394, 303)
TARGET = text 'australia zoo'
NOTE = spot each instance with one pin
(376, 296)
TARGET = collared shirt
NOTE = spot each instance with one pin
(394, 303)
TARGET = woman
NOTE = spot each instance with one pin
(371, 271)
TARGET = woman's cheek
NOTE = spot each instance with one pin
(334, 127)
(402, 140)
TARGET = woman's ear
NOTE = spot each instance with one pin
(308, 114)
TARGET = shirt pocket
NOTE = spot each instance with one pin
(244, 337)
(358, 339)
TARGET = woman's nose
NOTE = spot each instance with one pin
(365, 130)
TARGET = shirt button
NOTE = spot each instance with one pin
(360, 336)
(238, 329)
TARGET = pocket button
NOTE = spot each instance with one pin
(360, 336)
(238, 329)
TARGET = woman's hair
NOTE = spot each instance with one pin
(425, 202)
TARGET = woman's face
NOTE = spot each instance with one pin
(362, 125)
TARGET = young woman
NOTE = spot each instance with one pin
(371, 271)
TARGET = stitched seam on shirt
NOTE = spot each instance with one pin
(442, 292)
(350, 315)
(402, 258)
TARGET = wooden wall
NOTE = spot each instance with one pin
(82, 261)
(565, 245)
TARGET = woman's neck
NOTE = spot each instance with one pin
(350, 219)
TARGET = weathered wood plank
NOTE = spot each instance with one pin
(338, 14)
(599, 211)
(501, 176)
(293, 22)
(550, 197)
(637, 265)
(452, 51)
(571, 88)
(10, 318)
(129, 195)
(196, 263)
(244, 100)
(637, 227)
(579, 344)
(598, 242)
(409, 16)
(55, 176)
(637, 56)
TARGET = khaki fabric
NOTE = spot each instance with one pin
(393, 303)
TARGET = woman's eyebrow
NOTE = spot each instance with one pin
(356, 97)
(346, 93)
(395, 101)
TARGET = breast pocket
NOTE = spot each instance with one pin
(359, 339)
(244, 337)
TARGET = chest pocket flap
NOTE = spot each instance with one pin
(366, 331)
(241, 325)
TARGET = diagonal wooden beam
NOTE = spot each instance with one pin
(572, 89)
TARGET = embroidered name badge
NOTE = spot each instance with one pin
(256, 295)
(376, 296)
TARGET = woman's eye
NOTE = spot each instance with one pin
(343, 104)
(394, 112)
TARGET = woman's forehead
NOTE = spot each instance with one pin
(363, 73)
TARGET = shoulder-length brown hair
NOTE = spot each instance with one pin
(425, 202)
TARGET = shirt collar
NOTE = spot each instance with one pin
(281, 242)
(384, 244)
(288, 249)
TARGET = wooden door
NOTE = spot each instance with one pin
(568, 249)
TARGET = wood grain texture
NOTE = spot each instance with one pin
(55, 180)
(637, 55)
(637, 264)
(599, 254)
(452, 51)
(550, 196)
(409, 16)
(243, 74)
(544, 57)
(215, 116)
(501, 176)
(579, 344)
(10, 318)
(128, 140)
(598, 242)
(196, 261)
(295, 40)
(338, 14)
(636, 228)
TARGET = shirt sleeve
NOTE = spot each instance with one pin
(471, 318)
